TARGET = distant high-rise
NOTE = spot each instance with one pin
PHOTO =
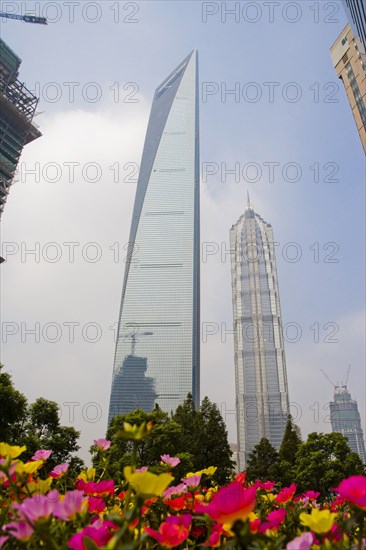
(262, 403)
(345, 418)
(160, 298)
(356, 15)
(349, 60)
(18, 106)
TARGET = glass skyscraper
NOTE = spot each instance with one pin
(262, 402)
(345, 418)
(157, 347)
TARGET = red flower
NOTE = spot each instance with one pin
(286, 494)
(229, 504)
(353, 489)
(266, 485)
(173, 531)
(176, 503)
(240, 478)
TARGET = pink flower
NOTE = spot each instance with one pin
(303, 542)
(286, 494)
(230, 503)
(273, 520)
(353, 489)
(41, 455)
(175, 490)
(20, 530)
(38, 506)
(102, 444)
(311, 495)
(173, 531)
(59, 470)
(70, 506)
(192, 481)
(142, 469)
(171, 461)
(3, 541)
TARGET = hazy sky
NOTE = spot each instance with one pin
(285, 132)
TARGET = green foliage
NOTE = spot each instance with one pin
(37, 426)
(198, 438)
(262, 462)
(323, 460)
(13, 406)
(287, 453)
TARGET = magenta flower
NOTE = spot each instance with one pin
(96, 505)
(102, 444)
(70, 506)
(59, 470)
(192, 481)
(273, 520)
(353, 489)
(266, 485)
(172, 461)
(96, 488)
(3, 541)
(303, 542)
(99, 532)
(41, 455)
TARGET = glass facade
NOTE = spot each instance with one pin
(356, 15)
(18, 106)
(260, 369)
(157, 347)
(345, 418)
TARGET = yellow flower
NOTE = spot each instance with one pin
(147, 483)
(41, 487)
(208, 471)
(12, 451)
(268, 497)
(319, 521)
(87, 475)
(135, 432)
(29, 467)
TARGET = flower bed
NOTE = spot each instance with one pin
(143, 509)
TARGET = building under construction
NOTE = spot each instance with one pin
(345, 418)
(17, 106)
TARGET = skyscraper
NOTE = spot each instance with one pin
(349, 61)
(262, 402)
(18, 106)
(356, 15)
(159, 313)
(345, 418)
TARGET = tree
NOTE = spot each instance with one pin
(262, 462)
(212, 442)
(198, 438)
(37, 426)
(13, 406)
(323, 460)
(287, 453)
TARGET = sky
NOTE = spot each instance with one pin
(274, 121)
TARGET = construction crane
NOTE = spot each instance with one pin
(337, 386)
(26, 18)
(133, 340)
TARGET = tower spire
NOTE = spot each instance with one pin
(249, 204)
